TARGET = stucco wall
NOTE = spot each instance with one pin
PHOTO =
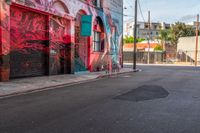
(188, 46)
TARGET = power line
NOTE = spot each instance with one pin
(130, 4)
(128, 16)
(141, 11)
(187, 17)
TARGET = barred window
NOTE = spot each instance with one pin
(98, 35)
(97, 42)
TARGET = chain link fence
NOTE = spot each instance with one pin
(169, 57)
(142, 57)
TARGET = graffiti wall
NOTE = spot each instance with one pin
(81, 46)
(59, 38)
(114, 24)
(4, 40)
(47, 33)
(28, 41)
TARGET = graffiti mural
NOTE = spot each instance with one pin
(43, 37)
(28, 41)
(59, 41)
(4, 41)
(115, 27)
(81, 46)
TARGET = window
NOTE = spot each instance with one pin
(157, 33)
(98, 45)
(146, 26)
(96, 3)
(98, 35)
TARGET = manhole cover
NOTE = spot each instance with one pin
(146, 92)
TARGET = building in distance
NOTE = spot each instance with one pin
(143, 29)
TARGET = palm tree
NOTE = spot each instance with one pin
(164, 37)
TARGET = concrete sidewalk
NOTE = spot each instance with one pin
(33, 84)
(164, 64)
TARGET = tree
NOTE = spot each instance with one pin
(130, 39)
(173, 34)
(165, 36)
(158, 48)
(140, 39)
(180, 29)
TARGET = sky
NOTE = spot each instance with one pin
(168, 11)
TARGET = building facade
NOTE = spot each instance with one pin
(143, 29)
(51, 37)
(193, 24)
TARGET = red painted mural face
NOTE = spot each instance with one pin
(28, 30)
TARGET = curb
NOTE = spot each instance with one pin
(19, 93)
(114, 74)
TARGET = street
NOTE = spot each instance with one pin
(159, 99)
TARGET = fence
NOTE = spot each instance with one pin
(142, 57)
(169, 57)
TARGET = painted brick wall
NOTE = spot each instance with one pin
(60, 33)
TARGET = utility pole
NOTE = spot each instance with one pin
(135, 37)
(197, 41)
(122, 48)
(149, 28)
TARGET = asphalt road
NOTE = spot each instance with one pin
(126, 103)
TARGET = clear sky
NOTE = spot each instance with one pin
(165, 10)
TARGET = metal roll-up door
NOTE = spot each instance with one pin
(28, 43)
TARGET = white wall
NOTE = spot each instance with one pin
(188, 45)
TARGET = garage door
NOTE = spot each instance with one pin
(28, 43)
